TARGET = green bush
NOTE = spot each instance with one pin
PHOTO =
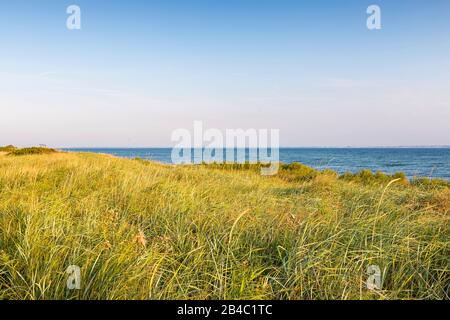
(32, 150)
(368, 177)
(8, 148)
(297, 172)
(427, 182)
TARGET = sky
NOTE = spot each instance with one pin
(138, 70)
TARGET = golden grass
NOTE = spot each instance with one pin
(142, 230)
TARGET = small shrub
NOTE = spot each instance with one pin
(368, 177)
(31, 151)
(297, 172)
(9, 148)
(430, 183)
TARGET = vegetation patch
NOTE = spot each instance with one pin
(31, 151)
(144, 230)
(368, 177)
(8, 149)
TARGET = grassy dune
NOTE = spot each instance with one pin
(143, 230)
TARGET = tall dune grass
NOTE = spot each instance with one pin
(142, 230)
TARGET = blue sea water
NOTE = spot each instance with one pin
(414, 162)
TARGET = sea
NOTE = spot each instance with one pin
(414, 162)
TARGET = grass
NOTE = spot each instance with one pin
(143, 230)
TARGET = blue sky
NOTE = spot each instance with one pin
(137, 70)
